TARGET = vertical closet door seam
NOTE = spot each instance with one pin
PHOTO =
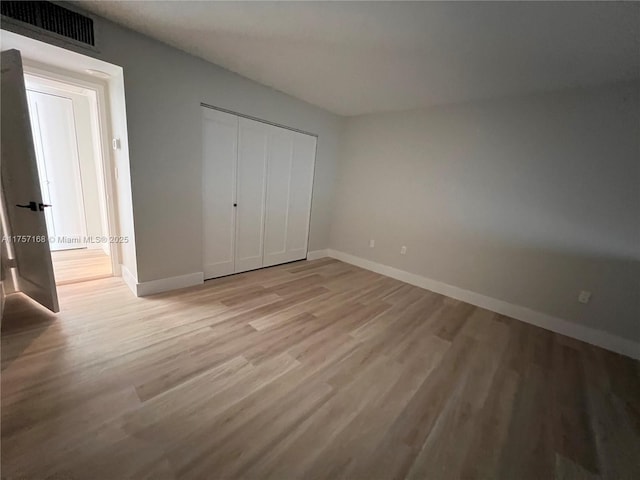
(286, 218)
(236, 223)
(265, 186)
(265, 198)
(235, 194)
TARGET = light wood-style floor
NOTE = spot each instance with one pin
(308, 370)
(78, 265)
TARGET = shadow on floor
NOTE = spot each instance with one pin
(23, 321)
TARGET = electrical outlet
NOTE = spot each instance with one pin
(403, 250)
(372, 243)
(584, 296)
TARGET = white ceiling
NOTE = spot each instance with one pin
(360, 57)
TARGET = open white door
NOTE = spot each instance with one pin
(21, 190)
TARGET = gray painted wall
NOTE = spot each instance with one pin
(164, 88)
(527, 200)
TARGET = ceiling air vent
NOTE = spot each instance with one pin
(51, 18)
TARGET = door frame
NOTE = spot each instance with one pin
(101, 133)
(42, 168)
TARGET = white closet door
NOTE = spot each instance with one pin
(304, 157)
(289, 187)
(220, 150)
(252, 163)
(278, 189)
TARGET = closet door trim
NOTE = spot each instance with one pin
(256, 119)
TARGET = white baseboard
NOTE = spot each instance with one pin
(590, 335)
(129, 279)
(316, 254)
(171, 283)
(142, 289)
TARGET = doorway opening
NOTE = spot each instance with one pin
(66, 131)
(29, 266)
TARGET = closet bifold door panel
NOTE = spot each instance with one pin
(220, 152)
(253, 141)
(256, 191)
(290, 164)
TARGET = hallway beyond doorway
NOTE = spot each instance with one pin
(79, 265)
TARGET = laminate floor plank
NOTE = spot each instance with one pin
(309, 370)
(78, 265)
